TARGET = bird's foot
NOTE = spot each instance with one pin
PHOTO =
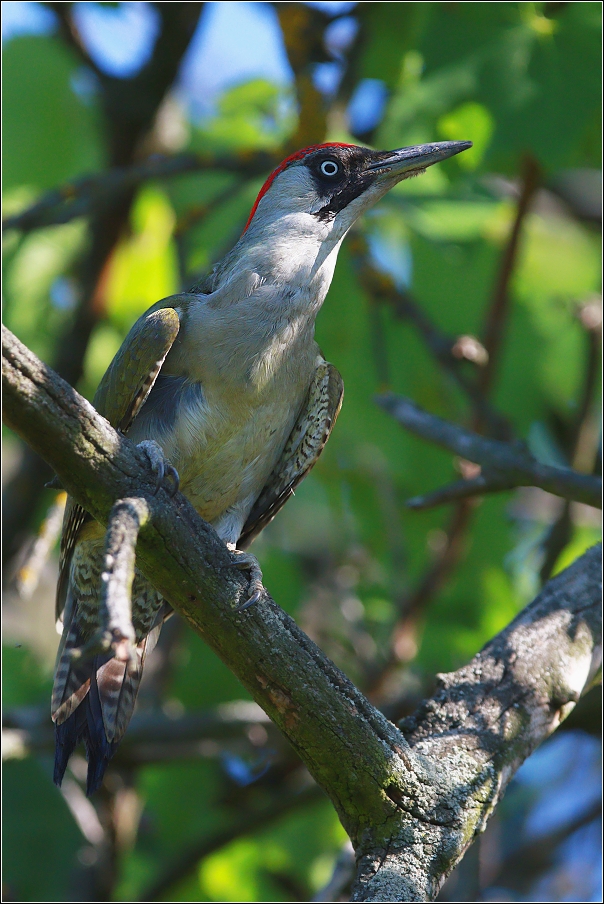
(246, 562)
(166, 474)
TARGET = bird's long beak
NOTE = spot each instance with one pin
(407, 161)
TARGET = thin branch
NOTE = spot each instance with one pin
(71, 36)
(449, 352)
(116, 630)
(484, 419)
(247, 822)
(151, 737)
(28, 576)
(494, 328)
(524, 864)
(81, 196)
(583, 440)
(126, 519)
(505, 465)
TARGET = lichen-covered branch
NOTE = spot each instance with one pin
(411, 800)
(504, 465)
(486, 718)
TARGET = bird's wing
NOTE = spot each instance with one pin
(122, 393)
(305, 444)
(130, 377)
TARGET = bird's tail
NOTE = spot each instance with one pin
(93, 701)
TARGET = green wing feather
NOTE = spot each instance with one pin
(130, 377)
(121, 394)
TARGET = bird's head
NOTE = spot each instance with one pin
(325, 188)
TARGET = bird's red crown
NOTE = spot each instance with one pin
(298, 155)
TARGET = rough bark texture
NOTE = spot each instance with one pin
(412, 799)
(481, 724)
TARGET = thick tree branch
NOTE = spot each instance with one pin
(505, 465)
(411, 800)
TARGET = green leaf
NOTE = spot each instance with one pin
(144, 267)
(53, 135)
(41, 840)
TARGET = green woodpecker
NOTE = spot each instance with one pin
(227, 384)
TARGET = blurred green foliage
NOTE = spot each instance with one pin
(517, 81)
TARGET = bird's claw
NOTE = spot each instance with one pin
(254, 598)
(165, 474)
(246, 562)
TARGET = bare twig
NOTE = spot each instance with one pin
(523, 864)
(71, 36)
(125, 520)
(249, 821)
(583, 439)
(152, 736)
(412, 604)
(483, 419)
(504, 465)
(115, 610)
(81, 196)
(494, 328)
(445, 349)
(28, 576)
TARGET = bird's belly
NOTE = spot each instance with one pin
(225, 453)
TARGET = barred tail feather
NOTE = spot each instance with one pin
(80, 718)
(102, 695)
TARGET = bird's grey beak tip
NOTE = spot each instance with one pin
(418, 157)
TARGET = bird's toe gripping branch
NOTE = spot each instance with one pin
(166, 474)
(246, 562)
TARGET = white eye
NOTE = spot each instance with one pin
(330, 168)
